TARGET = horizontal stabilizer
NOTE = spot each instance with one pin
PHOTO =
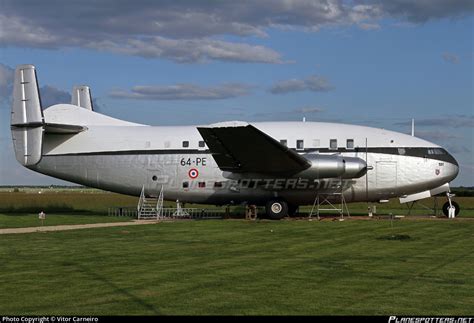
(81, 96)
(244, 149)
(27, 116)
(63, 128)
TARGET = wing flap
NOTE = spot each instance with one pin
(247, 149)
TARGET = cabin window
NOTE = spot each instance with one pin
(316, 143)
(299, 144)
(350, 144)
(333, 144)
(202, 184)
(185, 184)
(185, 144)
(218, 184)
(154, 178)
(201, 143)
(284, 142)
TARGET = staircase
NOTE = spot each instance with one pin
(149, 207)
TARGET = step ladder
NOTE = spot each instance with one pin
(322, 202)
(150, 207)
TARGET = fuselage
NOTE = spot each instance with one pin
(125, 157)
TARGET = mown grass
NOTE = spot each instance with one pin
(98, 202)
(20, 220)
(236, 267)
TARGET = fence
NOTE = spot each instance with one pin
(171, 213)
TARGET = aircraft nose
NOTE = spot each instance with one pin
(453, 169)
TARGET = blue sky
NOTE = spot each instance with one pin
(376, 63)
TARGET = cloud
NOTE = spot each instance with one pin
(436, 135)
(51, 95)
(308, 110)
(367, 26)
(458, 149)
(456, 121)
(183, 91)
(313, 83)
(421, 11)
(189, 50)
(192, 31)
(6, 82)
(450, 58)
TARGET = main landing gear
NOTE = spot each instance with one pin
(450, 208)
(278, 209)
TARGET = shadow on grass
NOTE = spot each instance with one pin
(117, 289)
(396, 237)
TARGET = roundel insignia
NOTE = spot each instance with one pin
(437, 172)
(193, 173)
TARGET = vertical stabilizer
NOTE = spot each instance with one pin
(27, 116)
(81, 96)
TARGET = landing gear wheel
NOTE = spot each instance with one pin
(292, 209)
(276, 209)
(446, 208)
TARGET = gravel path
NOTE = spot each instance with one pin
(73, 227)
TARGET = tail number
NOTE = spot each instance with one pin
(198, 161)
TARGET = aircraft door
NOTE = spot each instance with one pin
(386, 175)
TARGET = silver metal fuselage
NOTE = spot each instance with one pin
(123, 157)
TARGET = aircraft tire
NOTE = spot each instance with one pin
(446, 206)
(276, 209)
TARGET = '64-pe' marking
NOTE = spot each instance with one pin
(198, 161)
(193, 173)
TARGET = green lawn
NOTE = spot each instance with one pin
(238, 267)
(18, 220)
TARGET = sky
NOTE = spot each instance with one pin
(373, 63)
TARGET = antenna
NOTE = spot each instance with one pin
(413, 127)
(367, 172)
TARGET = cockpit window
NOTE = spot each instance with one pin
(436, 151)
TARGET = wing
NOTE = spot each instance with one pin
(242, 149)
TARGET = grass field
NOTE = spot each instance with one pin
(94, 202)
(15, 220)
(416, 267)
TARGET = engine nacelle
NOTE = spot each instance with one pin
(334, 166)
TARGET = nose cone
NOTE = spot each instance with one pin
(451, 168)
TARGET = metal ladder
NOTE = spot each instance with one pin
(150, 207)
(322, 203)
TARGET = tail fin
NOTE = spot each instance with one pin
(81, 96)
(27, 116)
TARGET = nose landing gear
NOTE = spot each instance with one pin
(450, 208)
